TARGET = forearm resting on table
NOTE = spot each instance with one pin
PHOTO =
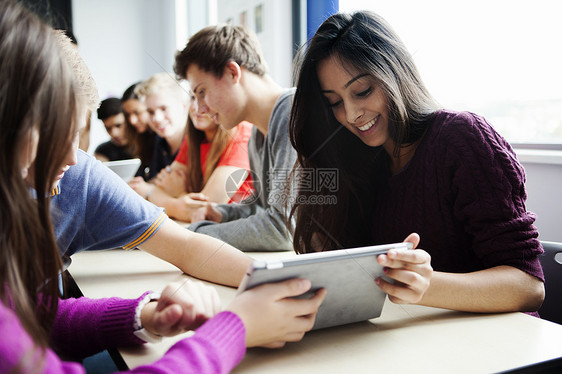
(177, 208)
(215, 188)
(498, 289)
(198, 255)
(182, 207)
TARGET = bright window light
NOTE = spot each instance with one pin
(498, 58)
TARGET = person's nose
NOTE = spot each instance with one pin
(157, 116)
(354, 113)
(201, 107)
(72, 155)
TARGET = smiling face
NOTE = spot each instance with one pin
(168, 114)
(201, 122)
(357, 101)
(136, 114)
(218, 98)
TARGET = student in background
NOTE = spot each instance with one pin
(37, 127)
(143, 139)
(209, 160)
(405, 165)
(229, 80)
(111, 114)
(167, 104)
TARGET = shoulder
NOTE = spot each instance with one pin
(464, 126)
(160, 142)
(84, 163)
(242, 132)
(89, 173)
(284, 102)
(279, 120)
(466, 141)
(103, 147)
(466, 132)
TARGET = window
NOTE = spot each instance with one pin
(498, 58)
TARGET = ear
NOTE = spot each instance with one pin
(232, 71)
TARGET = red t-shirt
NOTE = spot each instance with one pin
(235, 154)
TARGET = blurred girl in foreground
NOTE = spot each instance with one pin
(37, 126)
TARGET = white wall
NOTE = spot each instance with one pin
(275, 39)
(544, 190)
(126, 41)
(123, 42)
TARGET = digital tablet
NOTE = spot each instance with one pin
(126, 169)
(347, 274)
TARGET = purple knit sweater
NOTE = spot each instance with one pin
(84, 326)
(463, 192)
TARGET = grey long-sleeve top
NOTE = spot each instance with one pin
(258, 223)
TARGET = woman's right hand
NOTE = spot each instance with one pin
(272, 316)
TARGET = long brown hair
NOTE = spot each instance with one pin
(142, 145)
(365, 42)
(196, 179)
(37, 91)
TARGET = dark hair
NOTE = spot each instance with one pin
(364, 42)
(109, 108)
(130, 93)
(213, 47)
(71, 36)
(32, 67)
(142, 145)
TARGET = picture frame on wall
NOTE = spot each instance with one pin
(258, 18)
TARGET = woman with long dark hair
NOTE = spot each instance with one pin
(405, 166)
(136, 118)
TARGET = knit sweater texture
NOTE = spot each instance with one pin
(464, 193)
(85, 326)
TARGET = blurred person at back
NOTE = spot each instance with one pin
(143, 139)
(167, 103)
(111, 114)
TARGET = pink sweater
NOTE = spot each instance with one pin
(84, 326)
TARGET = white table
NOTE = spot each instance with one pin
(405, 339)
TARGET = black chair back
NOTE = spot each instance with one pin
(551, 262)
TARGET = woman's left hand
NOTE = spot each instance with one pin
(410, 270)
(182, 306)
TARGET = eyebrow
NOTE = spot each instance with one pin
(350, 81)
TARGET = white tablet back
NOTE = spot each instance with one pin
(347, 274)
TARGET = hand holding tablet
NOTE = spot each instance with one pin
(348, 275)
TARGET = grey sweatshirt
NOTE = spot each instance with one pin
(258, 223)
